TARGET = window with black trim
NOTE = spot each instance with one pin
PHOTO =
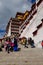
(35, 33)
(42, 20)
(39, 26)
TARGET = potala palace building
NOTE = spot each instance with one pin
(28, 24)
(35, 28)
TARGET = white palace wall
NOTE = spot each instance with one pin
(32, 26)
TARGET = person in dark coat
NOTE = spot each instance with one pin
(31, 42)
(33, 46)
(15, 44)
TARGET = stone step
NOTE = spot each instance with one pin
(27, 56)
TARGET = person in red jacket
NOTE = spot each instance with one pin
(42, 43)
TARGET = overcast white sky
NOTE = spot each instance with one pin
(9, 8)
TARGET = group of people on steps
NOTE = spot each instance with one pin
(12, 45)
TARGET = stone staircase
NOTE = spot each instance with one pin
(27, 56)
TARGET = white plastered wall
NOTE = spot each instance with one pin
(27, 32)
(9, 30)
